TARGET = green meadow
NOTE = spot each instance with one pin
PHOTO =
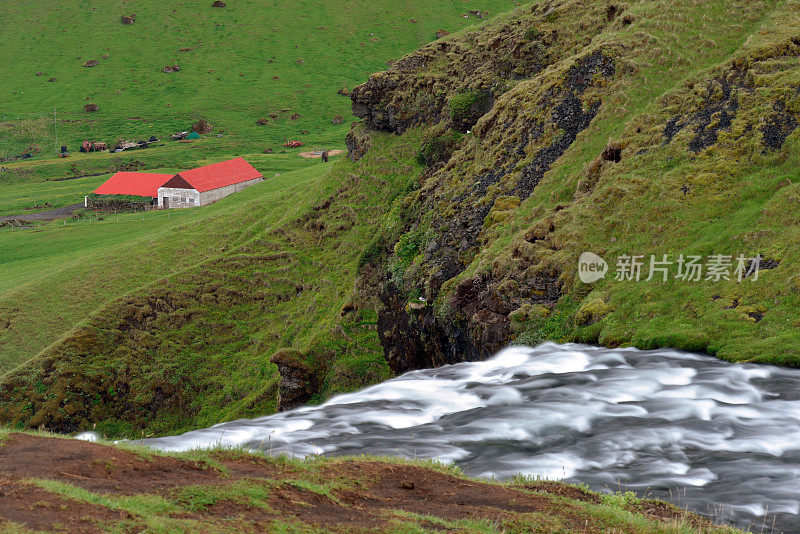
(57, 273)
(280, 61)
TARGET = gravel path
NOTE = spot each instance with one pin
(50, 215)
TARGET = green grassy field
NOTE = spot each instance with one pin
(59, 273)
(31, 197)
(238, 64)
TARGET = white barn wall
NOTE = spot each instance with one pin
(209, 197)
(173, 193)
(200, 199)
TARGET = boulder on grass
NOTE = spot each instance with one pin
(202, 127)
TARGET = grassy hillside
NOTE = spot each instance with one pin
(55, 277)
(552, 130)
(238, 64)
(184, 337)
(88, 487)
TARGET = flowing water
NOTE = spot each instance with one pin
(718, 438)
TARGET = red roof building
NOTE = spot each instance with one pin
(217, 175)
(204, 185)
(195, 187)
(143, 184)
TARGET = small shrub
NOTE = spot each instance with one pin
(202, 127)
(531, 34)
(468, 106)
(591, 311)
(439, 148)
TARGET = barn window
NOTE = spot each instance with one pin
(191, 201)
(183, 199)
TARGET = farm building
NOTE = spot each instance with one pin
(204, 185)
(196, 187)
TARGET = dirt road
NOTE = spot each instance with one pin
(50, 215)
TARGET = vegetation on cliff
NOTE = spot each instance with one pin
(645, 129)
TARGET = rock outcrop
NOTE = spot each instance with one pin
(297, 379)
(517, 134)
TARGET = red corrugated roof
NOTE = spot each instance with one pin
(143, 184)
(220, 174)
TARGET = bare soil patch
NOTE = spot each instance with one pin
(38, 509)
(97, 467)
(318, 153)
(49, 215)
(352, 495)
(667, 512)
(423, 491)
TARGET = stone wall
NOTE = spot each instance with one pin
(209, 197)
(190, 198)
(109, 203)
(178, 198)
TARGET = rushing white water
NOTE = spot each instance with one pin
(718, 438)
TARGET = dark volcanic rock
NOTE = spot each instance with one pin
(357, 143)
(778, 127)
(716, 114)
(297, 379)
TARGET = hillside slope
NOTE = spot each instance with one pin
(485, 164)
(193, 347)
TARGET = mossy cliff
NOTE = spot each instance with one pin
(484, 164)
(639, 128)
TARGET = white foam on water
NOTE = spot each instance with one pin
(88, 436)
(669, 422)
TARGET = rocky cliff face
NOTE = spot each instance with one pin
(489, 81)
(538, 129)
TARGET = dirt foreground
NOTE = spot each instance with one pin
(64, 485)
